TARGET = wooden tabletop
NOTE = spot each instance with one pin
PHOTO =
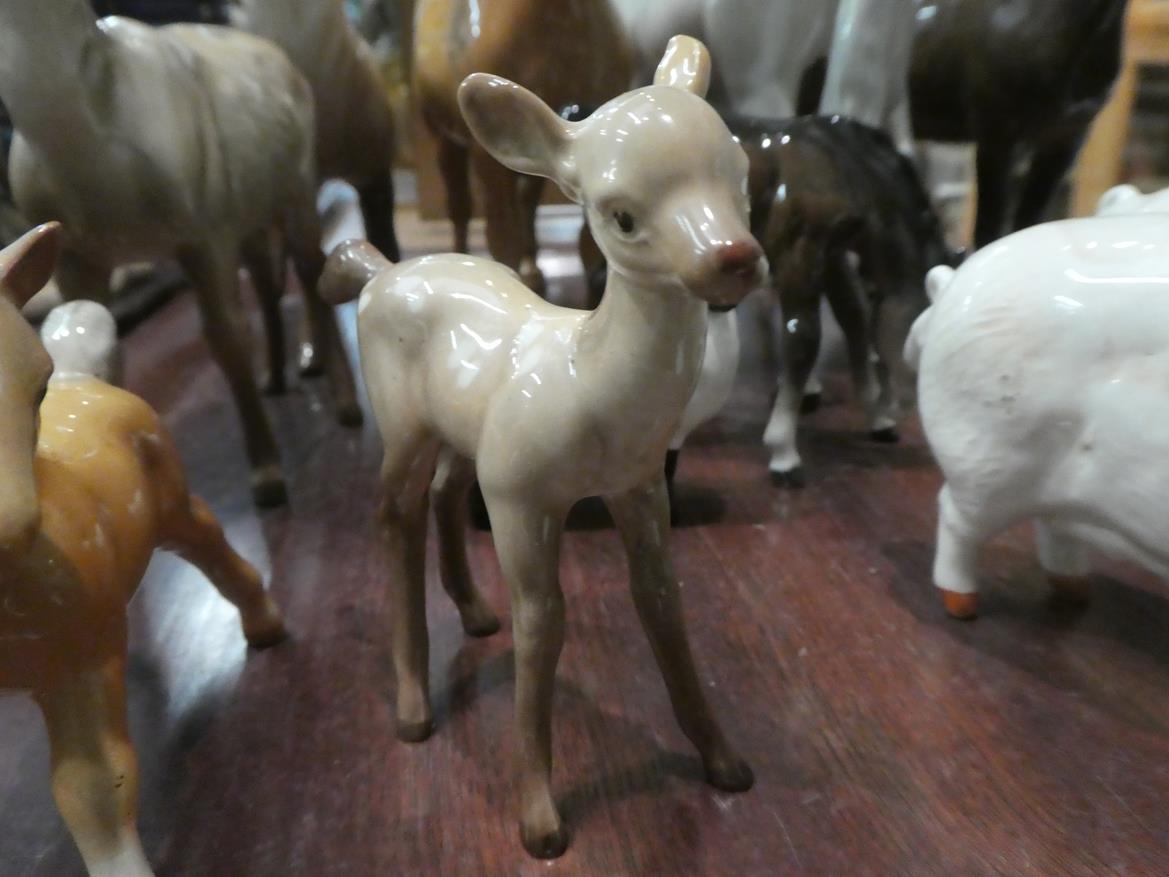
(886, 739)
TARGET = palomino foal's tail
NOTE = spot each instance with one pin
(350, 266)
(82, 339)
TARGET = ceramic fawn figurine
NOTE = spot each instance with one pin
(842, 216)
(564, 52)
(90, 486)
(547, 405)
(1042, 365)
(1023, 79)
(188, 142)
(354, 121)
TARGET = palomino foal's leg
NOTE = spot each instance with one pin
(406, 472)
(194, 533)
(260, 258)
(95, 771)
(527, 540)
(216, 287)
(454, 165)
(643, 517)
(449, 491)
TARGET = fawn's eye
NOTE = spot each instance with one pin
(624, 220)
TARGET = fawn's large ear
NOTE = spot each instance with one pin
(686, 65)
(518, 129)
(27, 263)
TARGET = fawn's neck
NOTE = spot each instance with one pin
(645, 343)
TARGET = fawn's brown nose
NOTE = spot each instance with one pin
(740, 258)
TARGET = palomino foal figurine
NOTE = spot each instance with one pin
(467, 367)
(82, 508)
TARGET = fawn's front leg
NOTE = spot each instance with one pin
(95, 771)
(527, 539)
(643, 517)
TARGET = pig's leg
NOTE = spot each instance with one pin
(1065, 561)
(801, 343)
(962, 529)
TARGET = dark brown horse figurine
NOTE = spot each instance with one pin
(840, 214)
(1023, 79)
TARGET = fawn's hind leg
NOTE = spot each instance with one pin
(407, 469)
(195, 535)
(449, 491)
(95, 770)
(261, 259)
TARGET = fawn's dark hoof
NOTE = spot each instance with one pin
(810, 404)
(480, 623)
(415, 732)
(731, 775)
(792, 478)
(350, 414)
(267, 636)
(268, 490)
(545, 844)
(886, 436)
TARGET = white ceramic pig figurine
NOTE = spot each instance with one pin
(470, 372)
(1044, 392)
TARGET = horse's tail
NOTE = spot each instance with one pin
(82, 339)
(350, 266)
(937, 281)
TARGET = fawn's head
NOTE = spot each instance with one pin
(25, 367)
(662, 180)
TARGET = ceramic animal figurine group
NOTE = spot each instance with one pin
(1021, 79)
(90, 486)
(841, 215)
(187, 142)
(471, 372)
(354, 121)
(1042, 364)
(566, 53)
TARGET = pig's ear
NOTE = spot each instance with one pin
(1118, 200)
(27, 263)
(686, 65)
(519, 129)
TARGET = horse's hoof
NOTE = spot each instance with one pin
(1072, 590)
(479, 622)
(791, 478)
(961, 606)
(886, 435)
(268, 490)
(415, 732)
(730, 775)
(810, 404)
(548, 844)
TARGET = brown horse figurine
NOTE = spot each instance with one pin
(841, 214)
(1023, 79)
(565, 53)
(90, 485)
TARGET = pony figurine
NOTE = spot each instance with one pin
(90, 486)
(470, 373)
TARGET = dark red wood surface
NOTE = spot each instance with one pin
(886, 739)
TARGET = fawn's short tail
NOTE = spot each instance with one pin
(936, 283)
(350, 266)
(82, 339)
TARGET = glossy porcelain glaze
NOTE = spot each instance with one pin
(1042, 366)
(354, 121)
(187, 142)
(82, 339)
(573, 52)
(467, 369)
(761, 52)
(842, 217)
(1127, 200)
(91, 486)
(1023, 79)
